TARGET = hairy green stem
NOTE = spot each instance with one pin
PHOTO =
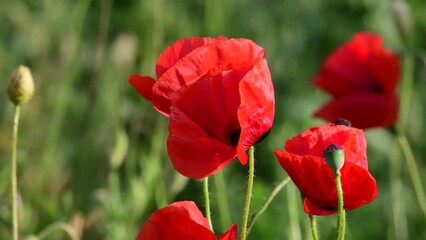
(314, 231)
(341, 218)
(207, 201)
(266, 203)
(248, 195)
(14, 178)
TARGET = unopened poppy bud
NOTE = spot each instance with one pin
(335, 156)
(401, 16)
(342, 121)
(21, 85)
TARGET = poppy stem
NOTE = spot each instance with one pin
(314, 231)
(266, 203)
(244, 231)
(341, 218)
(13, 179)
(207, 201)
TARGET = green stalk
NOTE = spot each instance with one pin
(341, 218)
(314, 231)
(207, 201)
(13, 179)
(244, 231)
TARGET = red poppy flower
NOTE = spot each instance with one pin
(361, 75)
(304, 162)
(181, 221)
(219, 97)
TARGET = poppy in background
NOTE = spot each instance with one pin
(219, 97)
(361, 75)
(181, 221)
(303, 160)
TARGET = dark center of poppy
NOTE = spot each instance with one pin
(342, 121)
(377, 89)
(234, 137)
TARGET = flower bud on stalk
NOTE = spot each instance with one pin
(335, 157)
(21, 85)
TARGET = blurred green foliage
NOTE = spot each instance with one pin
(92, 152)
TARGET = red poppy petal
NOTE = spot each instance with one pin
(347, 70)
(364, 110)
(312, 209)
(193, 153)
(359, 186)
(231, 234)
(212, 103)
(177, 221)
(142, 84)
(310, 174)
(315, 140)
(385, 66)
(234, 54)
(256, 112)
(180, 49)
(315, 181)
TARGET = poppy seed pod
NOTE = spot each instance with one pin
(21, 85)
(335, 157)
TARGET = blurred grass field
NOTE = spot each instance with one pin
(92, 152)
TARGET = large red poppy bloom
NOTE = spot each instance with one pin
(181, 221)
(361, 75)
(304, 162)
(219, 97)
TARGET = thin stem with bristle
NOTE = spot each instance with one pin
(266, 203)
(244, 231)
(341, 218)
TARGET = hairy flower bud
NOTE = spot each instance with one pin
(334, 156)
(21, 85)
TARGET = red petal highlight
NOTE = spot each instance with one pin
(142, 84)
(364, 110)
(180, 49)
(233, 54)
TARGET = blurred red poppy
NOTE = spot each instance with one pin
(304, 162)
(219, 97)
(361, 75)
(181, 221)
